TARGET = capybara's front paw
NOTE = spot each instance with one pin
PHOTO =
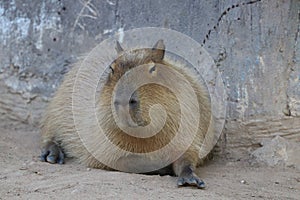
(52, 153)
(189, 178)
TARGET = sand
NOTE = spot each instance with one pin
(23, 176)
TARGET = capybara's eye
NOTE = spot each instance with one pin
(132, 102)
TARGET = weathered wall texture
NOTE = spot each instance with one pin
(256, 48)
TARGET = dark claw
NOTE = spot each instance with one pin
(61, 158)
(44, 155)
(52, 153)
(51, 159)
(201, 184)
(180, 181)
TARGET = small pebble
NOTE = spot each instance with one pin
(88, 169)
(23, 168)
(243, 182)
(38, 173)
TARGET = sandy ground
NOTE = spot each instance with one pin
(23, 176)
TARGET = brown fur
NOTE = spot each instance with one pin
(58, 125)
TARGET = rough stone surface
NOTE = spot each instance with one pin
(278, 152)
(256, 48)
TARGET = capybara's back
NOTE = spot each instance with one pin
(133, 110)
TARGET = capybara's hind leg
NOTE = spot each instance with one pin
(52, 153)
(185, 170)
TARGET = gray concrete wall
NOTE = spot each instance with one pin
(256, 48)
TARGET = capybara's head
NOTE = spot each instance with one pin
(126, 99)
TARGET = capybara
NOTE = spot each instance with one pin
(60, 138)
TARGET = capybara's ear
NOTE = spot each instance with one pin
(158, 51)
(119, 48)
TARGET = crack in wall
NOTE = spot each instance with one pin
(224, 13)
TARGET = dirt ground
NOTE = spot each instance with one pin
(23, 176)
